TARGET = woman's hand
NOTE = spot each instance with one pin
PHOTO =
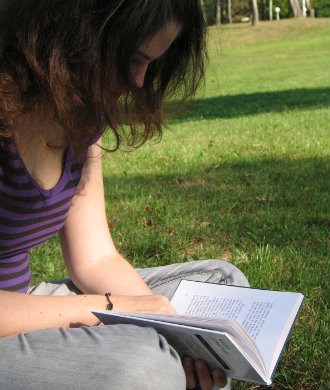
(143, 303)
(205, 378)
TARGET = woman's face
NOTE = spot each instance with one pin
(152, 50)
(141, 59)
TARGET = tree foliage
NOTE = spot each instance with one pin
(284, 6)
(322, 8)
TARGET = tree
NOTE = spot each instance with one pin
(203, 9)
(270, 9)
(321, 8)
(229, 11)
(255, 14)
(217, 12)
(311, 11)
(295, 6)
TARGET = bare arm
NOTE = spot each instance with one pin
(24, 312)
(92, 260)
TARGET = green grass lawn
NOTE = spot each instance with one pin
(241, 175)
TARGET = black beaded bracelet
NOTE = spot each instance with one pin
(109, 307)
(110, 304)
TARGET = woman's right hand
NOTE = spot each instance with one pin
(143, 303)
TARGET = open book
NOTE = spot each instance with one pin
(239, 329)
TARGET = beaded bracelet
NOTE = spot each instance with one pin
(110, 304)
(109, 307)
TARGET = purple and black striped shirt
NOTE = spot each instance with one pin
(29, 215)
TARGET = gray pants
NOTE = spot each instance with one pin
(106, 357)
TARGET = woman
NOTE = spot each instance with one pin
(68, 70)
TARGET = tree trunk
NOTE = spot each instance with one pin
(270, 9)
(255, 15)
(311, 11)
(295, 6)
(203, 9)
(217, 12)
(229, 12)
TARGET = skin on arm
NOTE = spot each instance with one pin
(25, 312)
(93, 263)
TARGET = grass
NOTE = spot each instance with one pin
(242, 174)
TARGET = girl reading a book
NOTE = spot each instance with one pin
(69, 70)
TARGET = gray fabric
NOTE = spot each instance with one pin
(164, 280)
(106, 357)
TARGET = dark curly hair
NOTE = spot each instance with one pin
(53, 51)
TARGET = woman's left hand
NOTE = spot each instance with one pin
(205, 378)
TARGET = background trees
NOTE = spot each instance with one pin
(229, 11)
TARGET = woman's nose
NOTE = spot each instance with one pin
(139, 75)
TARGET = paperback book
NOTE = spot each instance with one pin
(239, 329)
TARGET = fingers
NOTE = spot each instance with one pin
(206, 380)
(204, 376)
(189, 369)
(219, 378)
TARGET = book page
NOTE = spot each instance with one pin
(266, 315)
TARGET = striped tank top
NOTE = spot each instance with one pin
(29, 215)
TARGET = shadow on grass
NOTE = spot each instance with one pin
(232, 106)
(270, 201)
